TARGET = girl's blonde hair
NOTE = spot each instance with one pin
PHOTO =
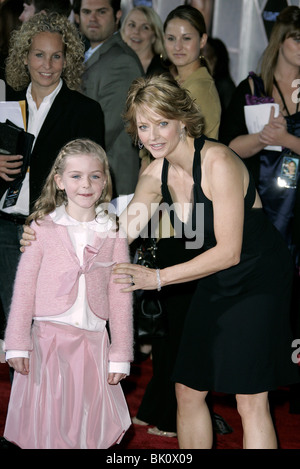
(164, 96)
(156, 25)
(51, 196)
(17, 74)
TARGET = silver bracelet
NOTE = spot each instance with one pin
(158, 279)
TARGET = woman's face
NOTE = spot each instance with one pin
(183, 42)
(292, 167)
(138, 33)
(45, 61)
(290, 51)
(159, 135)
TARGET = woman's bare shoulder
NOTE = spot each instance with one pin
(214, 151)
(155, 167)
(220, 162)
(149, 183)
(152, 173)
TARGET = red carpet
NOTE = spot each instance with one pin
(287, 425)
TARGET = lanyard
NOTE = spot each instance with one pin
(282, 98)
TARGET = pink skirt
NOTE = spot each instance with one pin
(65, 402)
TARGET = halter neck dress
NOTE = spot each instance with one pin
(236, 337)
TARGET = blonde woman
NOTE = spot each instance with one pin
(142, 30)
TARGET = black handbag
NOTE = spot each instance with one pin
(149, 316)
(15, 141)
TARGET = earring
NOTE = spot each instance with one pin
(182, 134)
(140, 145)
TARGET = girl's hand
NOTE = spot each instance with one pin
(20, 365)
(115, 378)
(141, 278)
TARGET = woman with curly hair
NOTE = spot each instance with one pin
(44, 64)
(21, 46)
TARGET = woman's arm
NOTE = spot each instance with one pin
(247, 145)
(228, 206)
(147, 197)
(136, 216)
(274, 133)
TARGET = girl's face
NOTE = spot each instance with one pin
(183, 42)
(138, 33)
(45, 61)
(290, 51)
(159, 135)
(83, 181)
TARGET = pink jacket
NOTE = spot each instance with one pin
(47, 284)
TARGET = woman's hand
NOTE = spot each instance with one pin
(10, 166)
(27, 236)
(20, 365)
(115, 378)
(275, 132)
(141, 278)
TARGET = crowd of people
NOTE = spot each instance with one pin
(133, 106)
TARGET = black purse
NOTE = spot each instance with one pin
(149, 318)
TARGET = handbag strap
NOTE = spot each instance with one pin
(259, 88)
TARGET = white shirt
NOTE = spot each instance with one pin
(37, 116)
(90, 52)
(79, 315)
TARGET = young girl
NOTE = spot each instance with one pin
(66, 392)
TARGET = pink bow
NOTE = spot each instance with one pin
(70, 278)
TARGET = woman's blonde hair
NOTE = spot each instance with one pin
(51, 196)
(156, 25)
(17, 74)
(164, 96)
(287, 25)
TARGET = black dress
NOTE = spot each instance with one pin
(236, 337)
